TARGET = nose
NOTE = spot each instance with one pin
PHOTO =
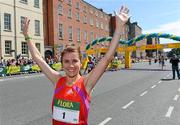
(71, 64)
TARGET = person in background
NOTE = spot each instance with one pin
(71, 100)
(149, 60)
(90, 65)
(175, 67)
(162, 62)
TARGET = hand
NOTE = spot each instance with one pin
(122, 17)
(26, 27)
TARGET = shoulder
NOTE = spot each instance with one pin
(60, 81)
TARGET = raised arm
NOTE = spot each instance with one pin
(96, 73)
(37, 57)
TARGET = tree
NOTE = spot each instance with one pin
(174, 51)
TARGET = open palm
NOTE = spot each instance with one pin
(26, 26)
(123, 14)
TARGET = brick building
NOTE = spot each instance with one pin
(134, 31)
(57, 23)
(72, 22)
(153, 53)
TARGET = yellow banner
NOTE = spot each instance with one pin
(174, 45)
(90, 51)
(134, 48)
(103, 50)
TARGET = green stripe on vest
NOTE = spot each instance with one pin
(67, 104)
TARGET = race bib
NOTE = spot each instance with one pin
(66, 111)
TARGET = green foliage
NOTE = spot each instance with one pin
(174, 51)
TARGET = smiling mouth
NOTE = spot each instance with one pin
(71, 70)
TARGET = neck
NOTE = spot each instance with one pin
(72, 80)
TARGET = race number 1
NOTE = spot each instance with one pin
(66, 111)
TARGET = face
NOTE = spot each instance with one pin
(71, 64)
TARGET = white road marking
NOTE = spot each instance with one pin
(1, 80)
(179, 89)
(127, 105)
(153, 86)
(176, 97)
(21, 77)
(159, 82)
(168, 114)
(142, 94)
(105, 121)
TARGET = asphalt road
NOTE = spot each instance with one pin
(142, 95)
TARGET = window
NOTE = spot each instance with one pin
(106, 28)
(8, 47)
(24, 1)
(38, 46)
(91, 21)
(78, 34)
(101, 15)
(96, 13)
(85, 19)
(69, 2)
(77, 5)
(60, 8)
(7, 22)
(22, 22)
(84, 9)
(127, 29)
(36, 3)
(96, 36)
(91, 36)
(91, 10)
(70, 35)
(102, 27)
(69, 13)
(37, 27)
(77, 16)
(85, 35)
(24, 48)
(61, 32)
(97, 23)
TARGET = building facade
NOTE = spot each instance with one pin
(12, 15)
(153, 53)
(135, 31)
(124, 34)
(72, 22)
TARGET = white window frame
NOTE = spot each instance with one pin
(7, 47)
(36, 3)
(69, 13)
(37, 27)
(7, 22)
(70, 33)
(78, 16)
(78, 34)
(24, 48)
(60, 8)
(22, 18)
(61, 31)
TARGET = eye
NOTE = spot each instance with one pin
(66, 61)
(75, 60)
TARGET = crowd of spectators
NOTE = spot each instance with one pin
(16, 62)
